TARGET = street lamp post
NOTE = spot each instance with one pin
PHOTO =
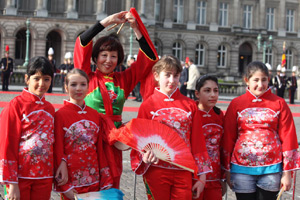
(266, 44)
(27, 43)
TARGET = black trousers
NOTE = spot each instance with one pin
(260, 194)
(5, 81)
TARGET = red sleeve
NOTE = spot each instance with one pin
(230, 136)
(106, 179)
(82, 56)
(198, 145)
(10, 133)
(59, 152)
(141, 70)
(288, 138)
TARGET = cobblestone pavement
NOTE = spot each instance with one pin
(127, 179)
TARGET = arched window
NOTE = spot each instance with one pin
(269, 56)
(200, 55)
(177, 50)
(53, 40)
(222, 54)
(289, 58)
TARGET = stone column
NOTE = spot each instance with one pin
(236, 16)
(71, 10)
(214, 13)
(262, 15)
(41, 10)
(101, 14)
(10, 8)
(191, 15)
(168, 14)
(281, 19)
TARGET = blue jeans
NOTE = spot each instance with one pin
(244, 183)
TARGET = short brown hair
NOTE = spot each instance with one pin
(167, 63)
(108, 43)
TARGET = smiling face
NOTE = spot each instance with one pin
(77, 88)
(208, 95)
(38, 83)
(168, 81)
(107, 61)
(258, 83)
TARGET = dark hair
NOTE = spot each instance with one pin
(201, 81)
(76, 71)
(168, 63)
(39, 64)
(108, 43)
(255, 66)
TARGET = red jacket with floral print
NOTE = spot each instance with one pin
(27, 136)
(78, 141)
(213, 131)
(180, 113)
(260, 132)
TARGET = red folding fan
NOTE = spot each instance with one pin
(166, 144)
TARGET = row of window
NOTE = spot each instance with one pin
(201, 11)
(222, 55)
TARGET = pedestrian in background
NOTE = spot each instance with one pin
(194, 74)
(7, 66)
(65, 68)
(292, 85)
(27, 137)
(184, 77)
(53, 64)
(260, 142)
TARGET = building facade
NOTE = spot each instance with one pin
(221, 36)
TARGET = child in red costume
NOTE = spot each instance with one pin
(207, 91)
(78, 142)
(167, 105)
(260, 142)
(108, 90)
(27, 136)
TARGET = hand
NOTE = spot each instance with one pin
(224, 188)
(198, 187)
(14, 191)
(61, 176)
(286, 181)
(116, 18)
(134, 25)
(149, 157)
(227, 173)
(70, 194)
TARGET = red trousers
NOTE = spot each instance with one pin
(168, 184)
(35, 189)
(212, 190)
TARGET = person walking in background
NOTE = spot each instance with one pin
(184, 77)
(194, 74)
(270, 74)
(283, 81)
(259, 142)
(53, 64)
(108, 90)
(7, 66)
(27, 137)
(292, 85)
(65, 68)
(212, 119)
(276, 80)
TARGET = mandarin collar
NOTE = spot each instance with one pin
(109, 76)
(164, 97)
(257, 98)
(205, 113)
(75, 107)
(33, 97)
